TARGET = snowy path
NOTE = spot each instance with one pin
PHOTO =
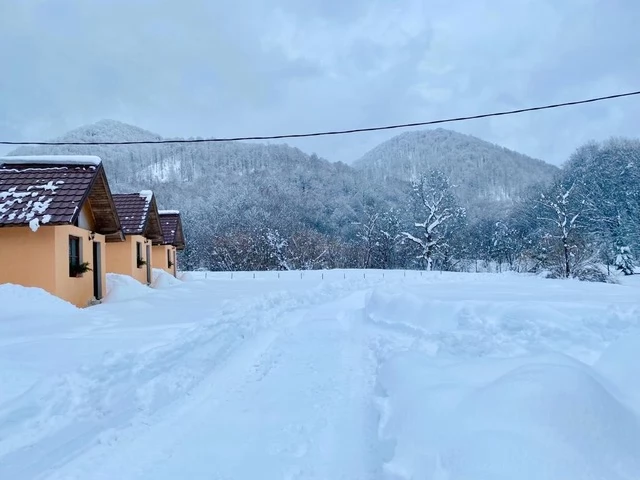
(291, 403)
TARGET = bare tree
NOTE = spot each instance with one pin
(368, 236)
(436, 204)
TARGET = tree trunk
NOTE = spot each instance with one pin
(567, 266)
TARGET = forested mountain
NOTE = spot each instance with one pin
(484, 176)
(430, 199)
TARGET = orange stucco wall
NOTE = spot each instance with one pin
(160, 258)
(27, 258)
(122, 258)
(41, 259)
(77, 290)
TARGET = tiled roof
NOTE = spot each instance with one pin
(39, 191)
(138, 214)
(172, 228)
(43, 194)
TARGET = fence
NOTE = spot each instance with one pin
(311, 275)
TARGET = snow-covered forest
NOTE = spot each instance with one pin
(432, 200)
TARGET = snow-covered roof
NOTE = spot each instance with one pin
(169, 212)
(37, 194)
(51, 160)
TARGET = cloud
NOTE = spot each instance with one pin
(200, 68)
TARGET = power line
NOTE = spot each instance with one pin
(338, 132)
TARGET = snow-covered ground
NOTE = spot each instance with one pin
(324, 375)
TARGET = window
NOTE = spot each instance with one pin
(169, 258)
(140, 262)
(74, 254)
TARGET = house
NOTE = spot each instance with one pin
(138, 214)
(164, 255)
(57, 215)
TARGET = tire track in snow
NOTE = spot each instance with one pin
(292, 403)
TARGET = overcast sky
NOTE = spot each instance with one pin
(235, 67)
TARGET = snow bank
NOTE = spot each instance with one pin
(124, 287)
(500, 320)
(162, 279)
(190, 276)
(541, 418)
(27, 302)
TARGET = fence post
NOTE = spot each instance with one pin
(322, 275)
(254, 275)
(231, 275)
(205, 275)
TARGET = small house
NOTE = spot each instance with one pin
(57, 215)
(138, 214)
(164, 255)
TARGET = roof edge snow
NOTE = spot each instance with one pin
(146, 194)
(169, 212)
(51, 160)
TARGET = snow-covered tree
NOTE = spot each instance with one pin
(505, 244)
(278, 247)
(561, 212)
(624, 261)
(437, 208)
(389, 236)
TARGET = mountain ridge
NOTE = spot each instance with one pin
(483, 172)
(224, 187)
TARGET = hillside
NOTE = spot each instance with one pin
(230, 186)
(485, 175)
(245, 190)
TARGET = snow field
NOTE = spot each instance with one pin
(324, 375)
(483, 391)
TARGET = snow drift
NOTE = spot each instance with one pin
(124, 287)
(162, 279)
(538, 418)
(17, 301)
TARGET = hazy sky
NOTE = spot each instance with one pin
(234, 67)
